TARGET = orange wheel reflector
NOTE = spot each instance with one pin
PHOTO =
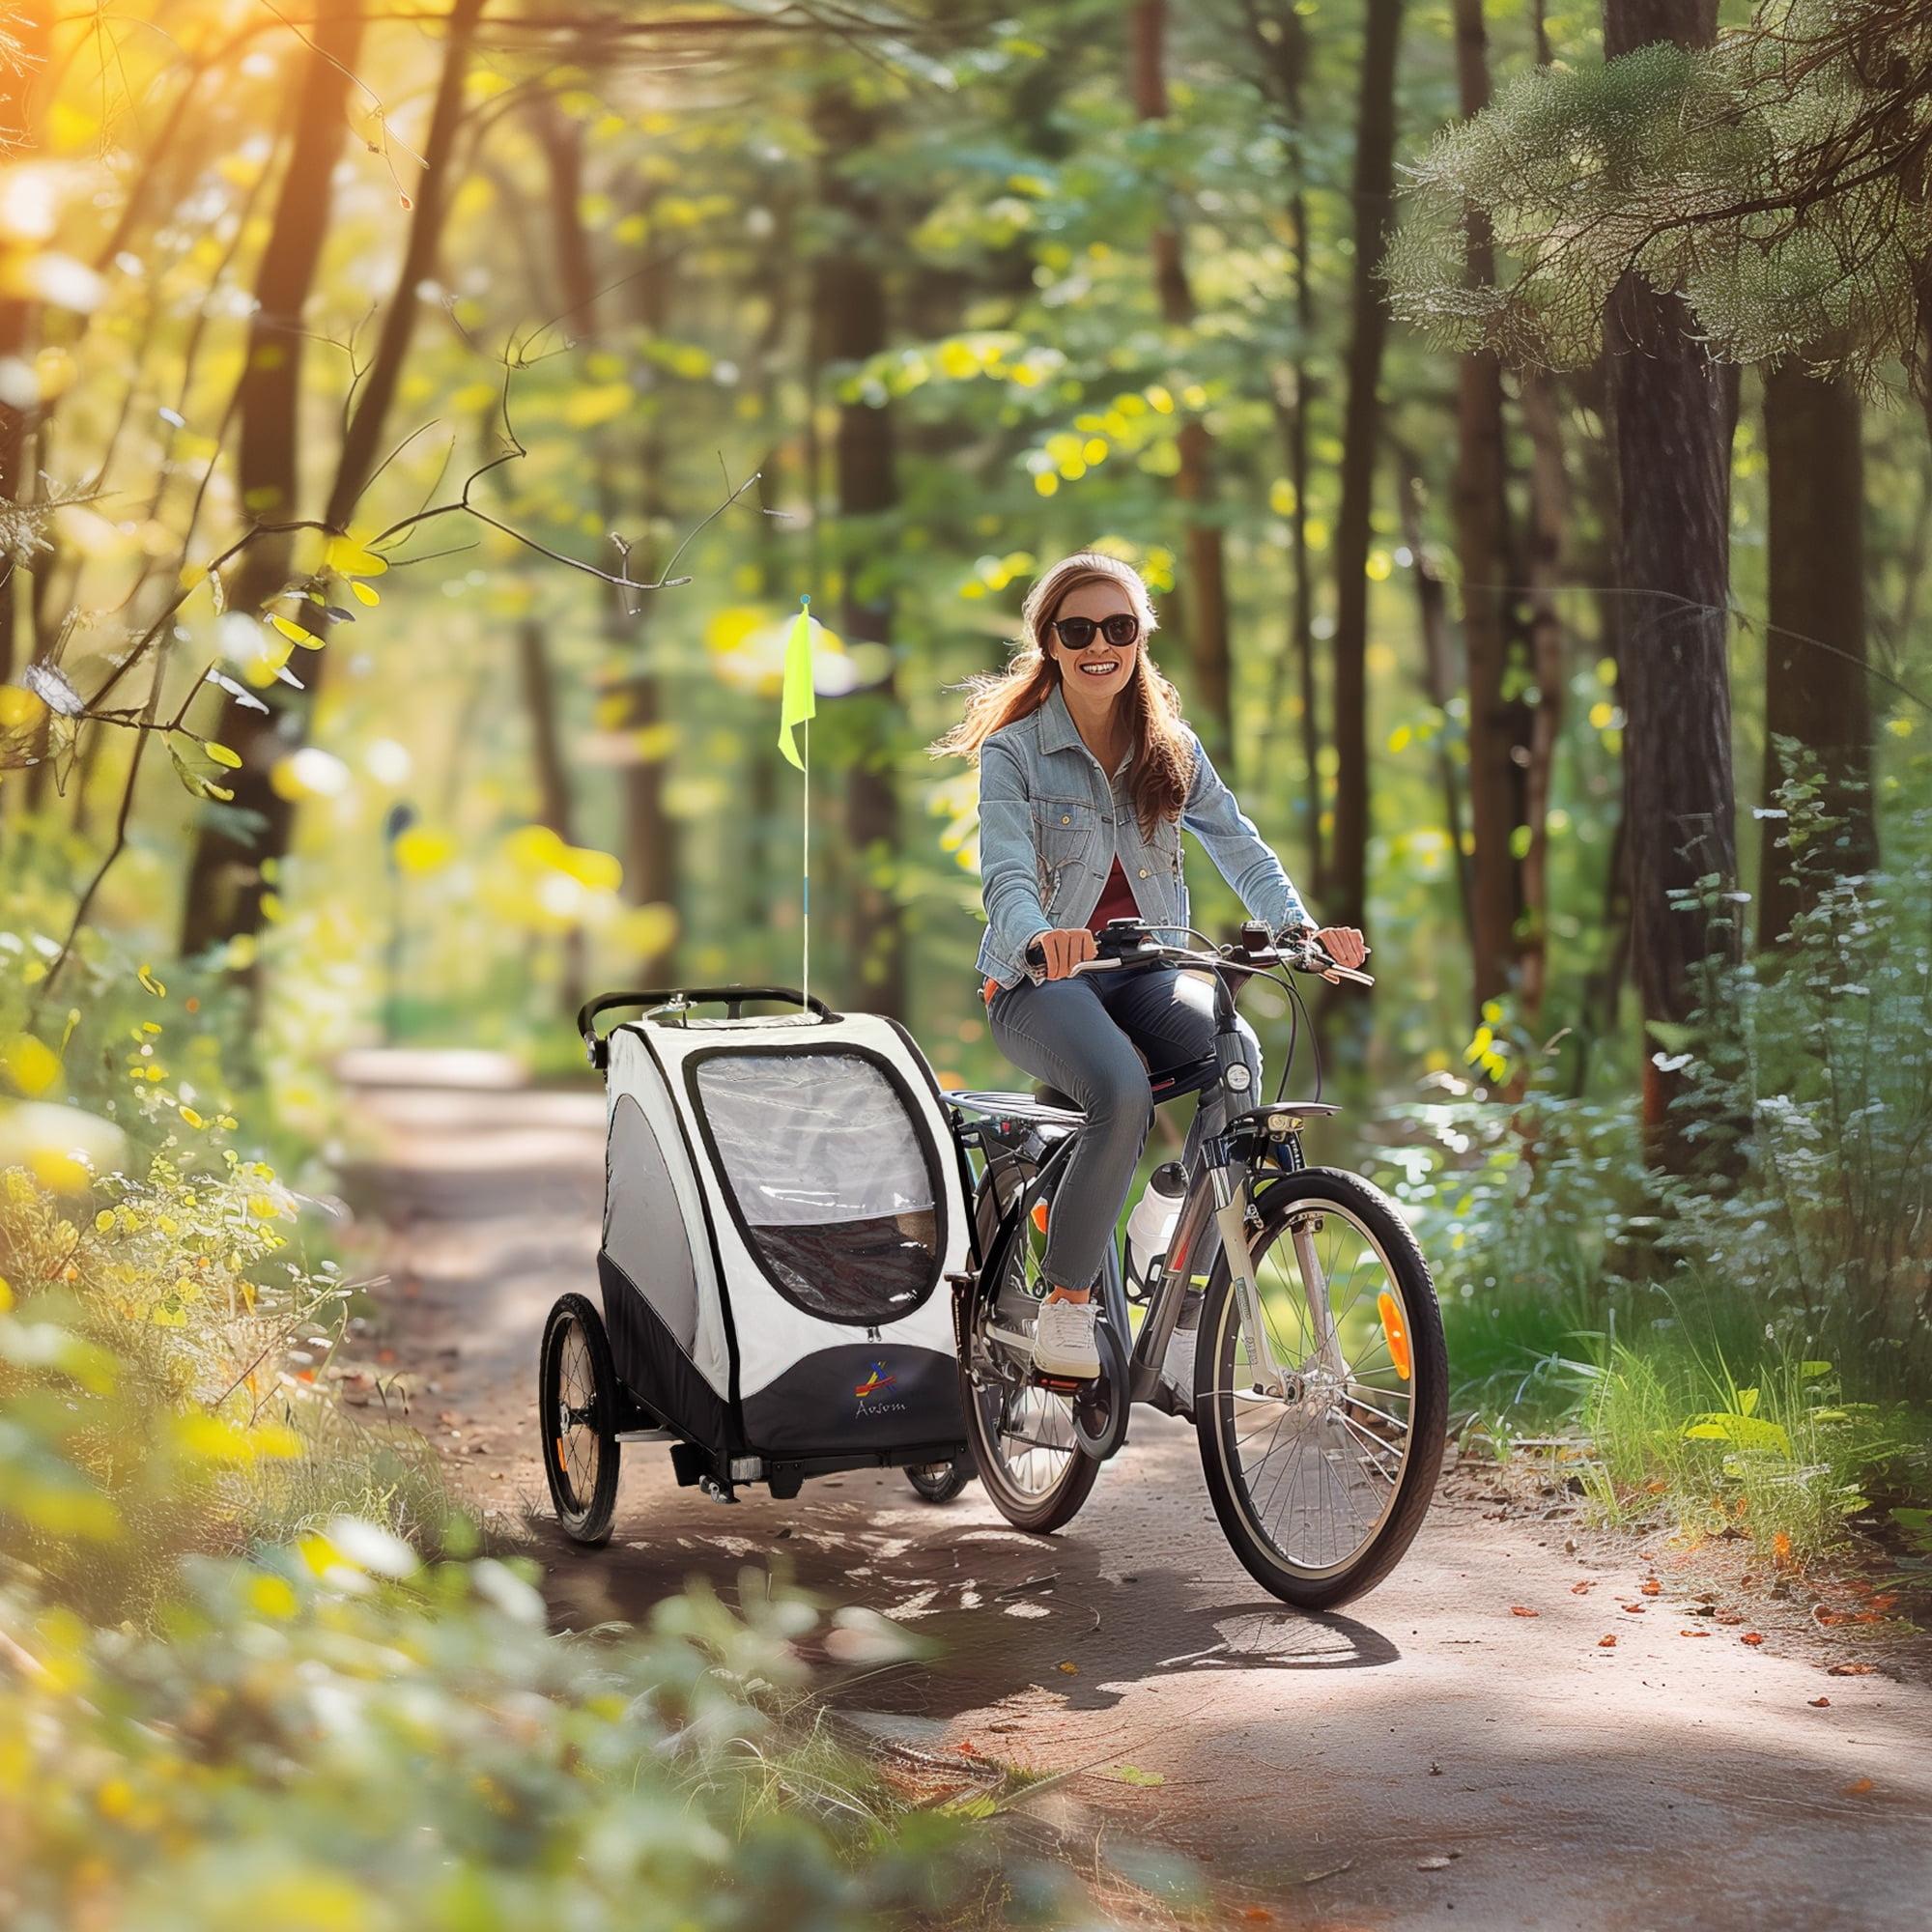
(1039, 1216)
(562, 1461)
(1394, 1332)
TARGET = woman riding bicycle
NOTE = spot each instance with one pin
(1087, 774)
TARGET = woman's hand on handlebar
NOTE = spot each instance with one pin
(1061, 949)
(1344, 945)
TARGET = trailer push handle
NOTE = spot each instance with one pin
(734, 999)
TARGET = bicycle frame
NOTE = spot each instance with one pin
(1219, 1190)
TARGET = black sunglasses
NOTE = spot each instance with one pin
(1119, 630)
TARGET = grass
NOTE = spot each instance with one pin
(1763, 1441)
(1694, 1413)
(1521, 1361)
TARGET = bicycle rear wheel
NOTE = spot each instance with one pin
(1025, 1440)
(1321, 1481)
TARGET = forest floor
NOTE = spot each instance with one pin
(1462, 1741)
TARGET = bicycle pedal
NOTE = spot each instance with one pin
(1063, 1384)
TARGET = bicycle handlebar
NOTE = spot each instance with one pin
(1302, 955)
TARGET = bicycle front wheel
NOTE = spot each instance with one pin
(1322, 1447)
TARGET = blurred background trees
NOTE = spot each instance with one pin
(424, 426)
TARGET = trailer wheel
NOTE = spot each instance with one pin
(577, 1411)
(940, 1482)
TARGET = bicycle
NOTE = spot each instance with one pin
(1319, 1387)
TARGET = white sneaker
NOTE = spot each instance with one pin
(1177, 1369)
(1063, 1341)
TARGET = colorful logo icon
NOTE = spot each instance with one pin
(876, 1384)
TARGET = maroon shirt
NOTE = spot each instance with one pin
(1117, 901)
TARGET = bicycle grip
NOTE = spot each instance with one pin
(1035, 954)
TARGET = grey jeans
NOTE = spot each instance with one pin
(1099, 1038)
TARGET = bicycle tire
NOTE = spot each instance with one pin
(1050, 1509)
(585, 1515)
(1213, 1402)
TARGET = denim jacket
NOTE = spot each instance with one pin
(1051, 824)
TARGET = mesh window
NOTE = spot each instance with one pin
(829, 1177)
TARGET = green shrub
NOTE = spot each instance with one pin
(333, 1735)
(1756, 1441)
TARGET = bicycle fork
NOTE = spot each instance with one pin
(1230, 1223)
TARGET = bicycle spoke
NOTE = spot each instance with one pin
(1320, 1466)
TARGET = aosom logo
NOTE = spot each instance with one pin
(874, 1392)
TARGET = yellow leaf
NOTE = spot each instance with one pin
(222, 755)
(20, 710)
(30, 1063)
(193, 1119)
(601, 404)
(346, 558)
(296, 634)
(365, 593)
(421, 851)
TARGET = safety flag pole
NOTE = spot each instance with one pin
(797, 706)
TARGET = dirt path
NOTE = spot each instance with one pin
(1433, 1752)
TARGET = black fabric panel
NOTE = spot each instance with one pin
(912, 1396)
(656, 1369)
(644, 1231)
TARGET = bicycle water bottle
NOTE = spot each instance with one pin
(1151, 1226)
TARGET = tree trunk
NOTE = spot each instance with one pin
(1498, 718)
(1815, 688)
(1549, 525)
(653, 849)
(32, 26)
(1439, 680)
(1672, 412)
(849, 305)
(1287, 65)
(1548, 522)
(1204, 596)
(1373, 184)
(267, 403)
(219, 908)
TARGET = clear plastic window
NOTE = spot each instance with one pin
(831, 1179)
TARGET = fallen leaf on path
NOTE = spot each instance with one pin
(1609, 1642)
(1132, 1774)
(1780, 1548)
(1523, 1611)
(1581, 1589)
(967, 1748)
(1071, 1669)
(1649, 1587)
(1431, 1864)
(1851, 1670)
(1635, 1610)
(1693, 1633)
(1752, 1638)
(1820, 1703)
(1856, 1788)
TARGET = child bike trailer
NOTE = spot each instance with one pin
(783, 1204)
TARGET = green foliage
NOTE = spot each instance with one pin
(1825, 1051)
(1783, 1456)
(1773, 181)
(333, 1736)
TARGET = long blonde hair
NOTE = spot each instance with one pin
(1163, 761)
